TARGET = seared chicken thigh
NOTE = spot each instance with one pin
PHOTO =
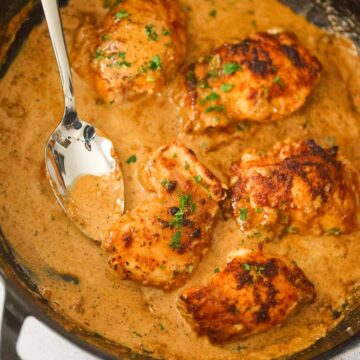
(139, 47)
(298, 187)
(262, 78)
(252, 294)
(160, 242)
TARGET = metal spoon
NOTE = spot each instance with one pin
(77, 153)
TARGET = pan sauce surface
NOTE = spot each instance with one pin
(71, 270)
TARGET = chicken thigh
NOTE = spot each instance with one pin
(252, 294)
(160, 242)
(139, 45)
(298, 187)
(262, 78)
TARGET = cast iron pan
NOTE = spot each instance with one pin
(22, 296)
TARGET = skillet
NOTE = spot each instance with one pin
(22, 296)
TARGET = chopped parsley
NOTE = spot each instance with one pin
(212, 96)
(213, 13)
(122, 14)
(258, 210)
(197, 179)
(204, 85)
(105, 37)
(215, 108)
(243, 214)
(334, 231)
(166, 32)
(175, 243)
(162, 327)
(186, 166)
(246, 267)
(151, 33)
(122, 63)
(226, 87)
(232, 68)
(99, 54)
(216, 270)
(186, 200)
(292, 230)
(165, 183)
(254, 24)
(137, 334)
(131, 159)
(155, 63)
(277, 80)
(179, 217)
(121, 54)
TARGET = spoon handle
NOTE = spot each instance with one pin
(53, 19)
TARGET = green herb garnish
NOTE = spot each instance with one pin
(212, 96)
(122, 14)
(226, 87)
(232, 68)
(197, 179)
(334, 231)
(175, 243)
(243, 214)
(151, 33)
(155, 63)
(213, 13)
(132, 159)
(277, 80)
(215, 108)
(122, 63)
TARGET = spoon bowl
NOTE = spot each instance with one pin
(81, 163)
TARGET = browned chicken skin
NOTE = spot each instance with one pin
(298, 187)
(139, 47)
(262, 78)
(252, 294)
(160, 242)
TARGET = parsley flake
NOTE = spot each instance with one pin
(243, 214)
(123, 63)
(212, 96)
(277, 80)
(226, 87)
(151, 33)
(334, 231)
(213, 13)
(232, 68)
(175, 243)
(155, 63)
(197, 179)
(131, 159)
(166, 32)
(122, 14)
(215, 108)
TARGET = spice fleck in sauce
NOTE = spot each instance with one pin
(72, 270)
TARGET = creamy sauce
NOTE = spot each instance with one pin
(94, 203)
(146, 318)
